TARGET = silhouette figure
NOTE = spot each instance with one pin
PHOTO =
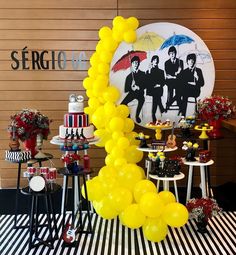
(134, 86)
(156, 81)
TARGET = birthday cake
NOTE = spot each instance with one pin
(76, 122)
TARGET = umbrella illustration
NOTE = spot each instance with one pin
(149, 41)
(202, 57)
(125, 61)
(176, 40)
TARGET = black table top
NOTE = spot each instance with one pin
(50, 189)
(33, 160)
(65, 171)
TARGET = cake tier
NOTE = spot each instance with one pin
(87, 131)
(76, 120)
(76, 107)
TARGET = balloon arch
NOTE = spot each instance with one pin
(120, 189)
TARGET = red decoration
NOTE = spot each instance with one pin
(215, 133)
(30, 145)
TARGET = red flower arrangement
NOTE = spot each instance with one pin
(70, 158)
(214, 108)
(28, 123)
(202, 208)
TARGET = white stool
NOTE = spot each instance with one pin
(166, 181)
(204, 180)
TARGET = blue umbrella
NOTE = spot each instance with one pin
(176, 40)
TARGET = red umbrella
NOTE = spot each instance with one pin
(125, 61)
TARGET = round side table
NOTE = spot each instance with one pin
(166, 181)
(46, 193)
(203, 174)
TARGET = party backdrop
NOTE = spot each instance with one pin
(163, 73)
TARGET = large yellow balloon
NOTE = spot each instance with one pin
(129, 175)
(110, 144)
(175, 214)
(120, 198)
(155, 230)
(107, 171)
(94, 189)
(123, 142)
(111, 94)
(143, 187)
(133, 22)
(133, 217)
(104, 209)
(116, 124)
(108, 184)
(119, 162)
(133, 155)
(167, 197)
(151, 205)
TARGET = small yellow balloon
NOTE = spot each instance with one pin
(132, 217)
(110, 44)
(104, 32)
(109, 160)
(107, 171)
(151, 205)
(143, 187)
(133, 155)
(117, 20)
(175, 214)
(88, 83)
(106, 56)
(117, 35)
(130, 36)
(117, 134)
(110, 144)
(133, 22)
(92, 72)
(155, 230)
(117, 152)
(103, 68)
(120, 162)
(94, 59)
(93, 102)
(123, 111)
(167, 197)
(128, 125)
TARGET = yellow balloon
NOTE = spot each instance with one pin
(99, 85)
(117, 20)
(111, 94)
(143, 187)
(128, 125)
(103, 68)
(131, 136)
(98, 120)
(120, 162)
(123, 142)
(94, 189)
(109, 160)
(93, 102)
(116, 124)
(117, 35)
(175, 214)
(133, 155)
(104, 32)
(94, 59)
(129, 175)
(155, 230)
(88, 83)
(110, 44)
(133, 22)
(120, 198)
(109, 184)
(151, 205)
(117, 134)
(132, 217)
(110, 144)
(117, 152)
(130, 36)
(107, 171)
(93, 72)
(104, 209)
(167, 197)
(89, 93)
(123, 111)
(110, 109)
(99, 47)
(106, 56)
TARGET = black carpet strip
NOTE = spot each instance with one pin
(110, 237)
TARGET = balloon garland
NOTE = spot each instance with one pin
(120, 189)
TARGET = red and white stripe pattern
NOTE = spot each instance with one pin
(76, 120)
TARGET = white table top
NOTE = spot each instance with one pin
(156, 150)
(174, 178)
(197, 163)
(56, 140)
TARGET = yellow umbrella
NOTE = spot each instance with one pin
(148, 41)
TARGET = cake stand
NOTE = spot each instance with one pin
(203, 130)
(158, 129)
(56, 140)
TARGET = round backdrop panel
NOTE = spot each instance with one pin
(163, 74)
